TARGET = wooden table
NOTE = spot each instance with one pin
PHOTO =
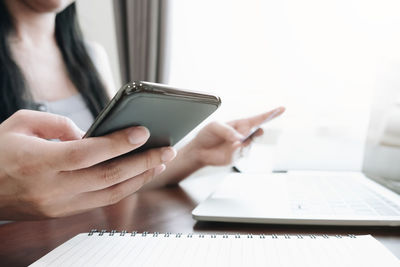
(161, 210)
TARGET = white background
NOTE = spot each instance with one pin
(319, 59)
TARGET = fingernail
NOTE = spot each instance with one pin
(138, 135)
(273, 114)
(279, 110)
(159, 169)
(276, 112)
(168, 154)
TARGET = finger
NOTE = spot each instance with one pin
(116, 170)
(248, 140)
(231, 151)
(117, 192)
(260, 132)
(44, 125)
(84, 153)
(225, 131)
(224, 154)
(265, 117)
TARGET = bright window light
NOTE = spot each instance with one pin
(319, 59)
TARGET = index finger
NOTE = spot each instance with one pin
(84, 153)
(265, 117)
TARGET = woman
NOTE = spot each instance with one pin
(45, 65)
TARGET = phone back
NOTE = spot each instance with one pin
(169, 114)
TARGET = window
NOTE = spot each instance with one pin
(320, 59)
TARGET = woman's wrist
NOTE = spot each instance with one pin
(186, 162)
(192, 157)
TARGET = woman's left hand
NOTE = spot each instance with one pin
(217, 142)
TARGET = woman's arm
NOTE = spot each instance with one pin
(185, 163)
(214, 145)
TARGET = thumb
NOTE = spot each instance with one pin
(225, 131)
(44, 125)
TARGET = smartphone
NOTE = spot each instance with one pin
(169, 113)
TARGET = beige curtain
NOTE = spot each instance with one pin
(142, 27)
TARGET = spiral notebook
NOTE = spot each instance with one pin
(145, 249)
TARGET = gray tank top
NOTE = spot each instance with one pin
(73, 107)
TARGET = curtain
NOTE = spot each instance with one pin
(142, 39)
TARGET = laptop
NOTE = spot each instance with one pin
(301, 197)
(316, 197)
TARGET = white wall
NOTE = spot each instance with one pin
(319, 59)
(97, 21)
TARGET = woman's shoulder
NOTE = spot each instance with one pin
(94, 47)
(96, 52)
(100, 60)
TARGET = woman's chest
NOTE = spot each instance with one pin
(45, 73)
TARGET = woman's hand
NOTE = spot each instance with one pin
(216, 143)
(46, 179)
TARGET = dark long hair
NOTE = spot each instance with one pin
(14, 92)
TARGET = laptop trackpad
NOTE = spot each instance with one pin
(254, 193)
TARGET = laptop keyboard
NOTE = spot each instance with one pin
(333, 196)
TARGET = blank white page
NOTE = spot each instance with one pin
(116, 249)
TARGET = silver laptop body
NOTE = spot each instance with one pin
(301, 197)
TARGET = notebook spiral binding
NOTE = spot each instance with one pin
(224, 236)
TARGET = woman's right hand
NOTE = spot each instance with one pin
(48, 179)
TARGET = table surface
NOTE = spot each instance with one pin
(160, 210)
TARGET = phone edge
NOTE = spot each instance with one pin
(142, 86)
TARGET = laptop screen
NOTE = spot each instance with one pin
(382, 150)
